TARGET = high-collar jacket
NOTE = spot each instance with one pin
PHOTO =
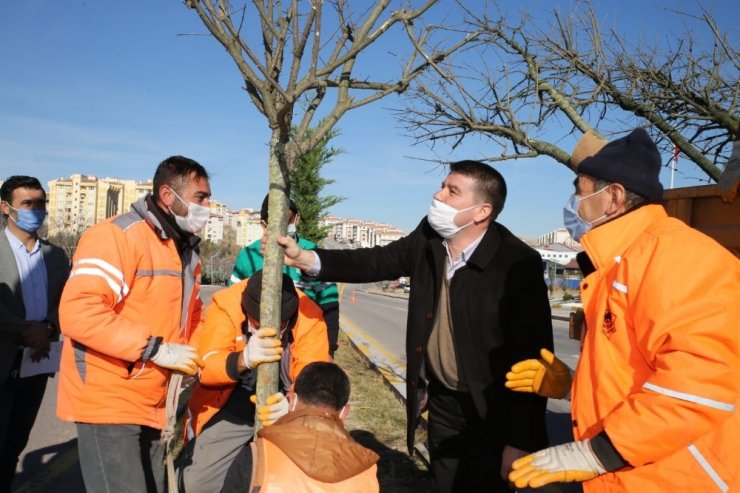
(500, 315)
(659, 371)
(130, 281)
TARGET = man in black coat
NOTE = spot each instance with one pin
(479, 304)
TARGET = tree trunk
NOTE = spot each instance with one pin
(268, 374)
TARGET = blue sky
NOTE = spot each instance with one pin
(108, 88)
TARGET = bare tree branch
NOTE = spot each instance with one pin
(519, 81)
(311, 50)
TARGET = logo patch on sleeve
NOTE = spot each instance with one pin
(609, 326)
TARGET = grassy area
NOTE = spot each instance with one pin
(378, 421)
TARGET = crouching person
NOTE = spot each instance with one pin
(307, 450)
(220, 414)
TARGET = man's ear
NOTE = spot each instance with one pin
(165, 196)
(292, 400)
(618, 202)
(344, 412)
(297, 220)
(484, 213)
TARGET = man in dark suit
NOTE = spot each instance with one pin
(32, 274)
(479, 303)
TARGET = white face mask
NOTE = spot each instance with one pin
(196, 219)
(574, 223)
(292, 231)
(441, 218)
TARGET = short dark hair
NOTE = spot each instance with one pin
(18, 181)
(263, 210)
(323, 384)
(175, 171)
(489, 183)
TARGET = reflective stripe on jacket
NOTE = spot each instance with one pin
(660, 366)
(127, 283)
(222, 334)
(308, 451)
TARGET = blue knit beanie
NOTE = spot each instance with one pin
(632, 161)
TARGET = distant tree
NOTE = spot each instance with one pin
(218, 257)
(291, 56)
(64, 231)
(527, 86)
(66, 240)
(306, 184)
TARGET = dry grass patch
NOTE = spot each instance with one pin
(377, 419)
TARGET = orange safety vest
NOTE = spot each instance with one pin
(305, 452)
(127, 283)
(222, 335)
(660, 363)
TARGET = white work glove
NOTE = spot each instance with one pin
(548, 377)
(178, 357)
(275, 408)
(729, 182)
(262, 347)
(565, 463)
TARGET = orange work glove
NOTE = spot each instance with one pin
(275, 408)
(548, 377)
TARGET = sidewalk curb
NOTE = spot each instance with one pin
(392, 371)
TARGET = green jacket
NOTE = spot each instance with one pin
(250, 261)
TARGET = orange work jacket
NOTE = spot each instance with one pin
(222, 335)
(660, 363)
(127, 283)
(308, 451)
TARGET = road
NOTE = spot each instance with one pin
(384, 317)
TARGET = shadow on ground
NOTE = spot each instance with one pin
(397, 472)
(54, 469)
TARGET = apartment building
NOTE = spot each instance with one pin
(360, 234)
(245, 224)
(78, 202)
(214, 230)
(559, 235)
(387, 234)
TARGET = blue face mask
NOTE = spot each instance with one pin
(29, 220)
(577, 226)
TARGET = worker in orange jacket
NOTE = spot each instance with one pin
(309, 449)
(655, 396)
(220, 414)
(127, 313)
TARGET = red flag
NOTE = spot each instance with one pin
(676, 152)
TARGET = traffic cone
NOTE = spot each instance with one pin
(354, 300)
